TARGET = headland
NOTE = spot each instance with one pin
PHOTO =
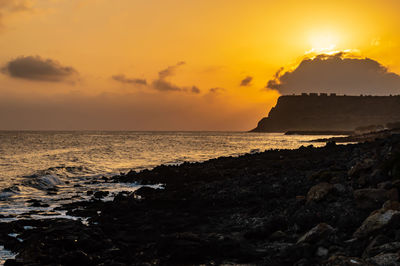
(332, 113)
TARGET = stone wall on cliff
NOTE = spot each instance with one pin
(310, 112)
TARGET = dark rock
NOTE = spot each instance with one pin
(320, 231)
(377, 221)
(101, 194)
(387, 259)
(319, 192)
(370, 198)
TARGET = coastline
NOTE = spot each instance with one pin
(280, 207)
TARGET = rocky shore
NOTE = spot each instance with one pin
(335, 205)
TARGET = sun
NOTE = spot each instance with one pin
(323, 42)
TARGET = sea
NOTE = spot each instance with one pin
(40, 170)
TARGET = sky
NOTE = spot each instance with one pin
(186, 65)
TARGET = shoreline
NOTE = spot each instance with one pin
(279, 207)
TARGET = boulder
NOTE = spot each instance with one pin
(385, 248)
(319, 192)
(338, 260)
(318, 232)
(388, 259)
(377, 221)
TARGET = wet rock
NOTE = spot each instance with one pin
(37, 203)
(76, 258)
(388, 259)
(319, 192)
(338, 260)
(146, 192)
(101, 194)
(376, 221)
(385, 248)
(322, 252)
(322, 230)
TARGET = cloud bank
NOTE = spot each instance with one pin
(35, 68)
(339, 73)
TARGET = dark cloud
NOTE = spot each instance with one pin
(169, 71)
(195, 89)
(216, 90)
(36, 68)
(340, 73)
(163, 85)
(246, 81)
(124, 79)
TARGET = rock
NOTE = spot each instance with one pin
(322, 252)
(322, 230)
(277, 235)
(340, 188)
(376, 221)
(76, 258)
(385, 248)
(359, 167)
(385, 185)
(391, 205)
(146, 192)
(319, 192)
(393, 194)
(388, 259)
(337, 260)
(101, 194)
(371, 198)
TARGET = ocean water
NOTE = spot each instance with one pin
(53, 168)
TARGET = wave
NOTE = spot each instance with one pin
(6, 193)
(46, 182)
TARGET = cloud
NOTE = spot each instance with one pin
(195, 89)
(36, 68)
(124, 79)
(8, 7)
(169, 71)
(340, 73)
(15, 5)
(216, 90)
(246, 81)
(163, 85)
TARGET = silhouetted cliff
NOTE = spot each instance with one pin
(329, 112)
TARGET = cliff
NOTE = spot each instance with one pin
(309, 112)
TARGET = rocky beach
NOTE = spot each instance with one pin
(334, 205)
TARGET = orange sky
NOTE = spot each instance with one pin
(220, 42)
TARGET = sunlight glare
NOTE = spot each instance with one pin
(323, 42)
